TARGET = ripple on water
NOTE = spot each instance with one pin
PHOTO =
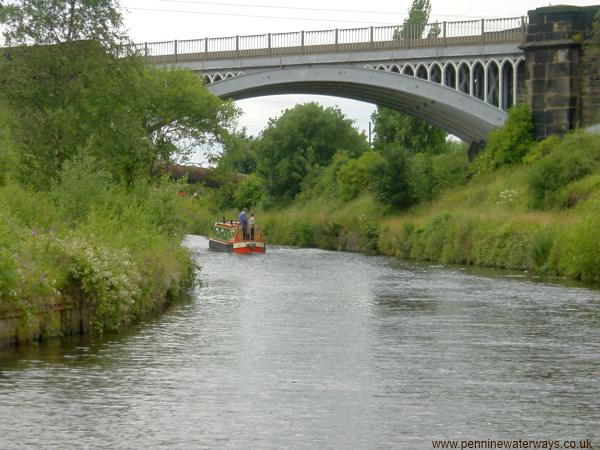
(314, 349)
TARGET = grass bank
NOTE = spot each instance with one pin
(541, 216)
(89, 242)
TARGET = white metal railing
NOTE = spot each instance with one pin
(433, 34)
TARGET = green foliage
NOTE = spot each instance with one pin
(326, 182)
(302, 140)
(509, 144)
(420, 177)
(577, 252)
(122, 256)
(239, 153)
(402, 130)
(49, 22)
(249, 192)
(541, 250)
(107, 277)
(178, 112)
(414, 24)
(392, 186)
(369, 238)
(81, 185)
(542, 149)
(576, 156)
(356, 175)
(64, 99)
(8, 269)
(450, 168)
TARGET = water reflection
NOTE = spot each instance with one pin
(313, 349)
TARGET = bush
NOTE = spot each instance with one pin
(8, 268)
(575, 157)
(122, 256)
(108, 278)
(392, 187)
(420, 177)
(369, 238)
(248, 193)
(451, 168)
(577, 252)
(509, 144)
(327, 184)
(81, 185)
(356, 175)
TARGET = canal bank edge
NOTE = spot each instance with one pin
(19, 327)
(69, 318)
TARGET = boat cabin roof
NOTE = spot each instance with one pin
(227, 224)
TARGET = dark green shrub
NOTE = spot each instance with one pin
(82, 184)
(509, 144)
(392, 187)
(577, 252)
(541, 250)
(356, 175)
(420, 177)
(451, 168)
(429, 241)
(369, 238)
(249, 192)
(575, 157)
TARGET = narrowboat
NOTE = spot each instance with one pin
(229, 237)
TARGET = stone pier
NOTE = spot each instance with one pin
(562, 82)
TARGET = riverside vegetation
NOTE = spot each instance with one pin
(314, 182)
(521, 204)
(86, 218)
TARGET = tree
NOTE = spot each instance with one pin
(415, 23)
(72, 98)
(392, 186)
(414, 135)
(50, 22)
(358, 174)
(302, 141)
(239, 153)
(507, 145)
(248, 192)
(394, 128)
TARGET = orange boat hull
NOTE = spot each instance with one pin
(249, 247)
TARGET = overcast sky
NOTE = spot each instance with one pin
(164, 20)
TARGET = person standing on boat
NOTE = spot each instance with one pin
(251, 222)
(244, 222)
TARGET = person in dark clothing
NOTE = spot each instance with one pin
(244, 223)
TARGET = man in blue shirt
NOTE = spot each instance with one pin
(244, 222)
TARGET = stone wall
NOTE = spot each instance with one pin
(561, 82)
(57, 320)
(589, 83)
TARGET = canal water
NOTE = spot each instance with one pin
(320, 350)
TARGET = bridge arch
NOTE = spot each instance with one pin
(435, 73)
(466, 117)
(464, 77)
(422, 72)
(449, 75)
(492, 85)
(395, 68)
(408, 70)
(478, 80)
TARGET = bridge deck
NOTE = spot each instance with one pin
(444, 34)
